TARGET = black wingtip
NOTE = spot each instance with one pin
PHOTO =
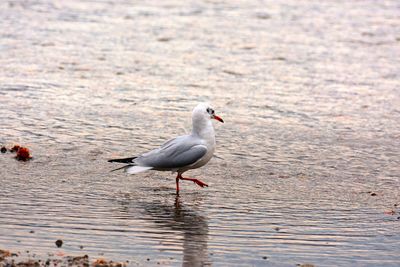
(124, 160)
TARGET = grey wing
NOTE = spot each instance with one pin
(176, 153)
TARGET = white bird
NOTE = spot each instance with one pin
(181, 153)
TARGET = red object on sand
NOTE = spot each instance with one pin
(23, 154)
(15, 148)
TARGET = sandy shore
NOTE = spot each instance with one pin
(27, 259)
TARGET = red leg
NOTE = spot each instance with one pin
(198, 182)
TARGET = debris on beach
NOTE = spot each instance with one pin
(4, 254)
(78, 261)
(106, 263)
(389, 212)
(28, 263)
(392, 211)
(23, 153)
(15, 148)
(7, 258)
(99, 262)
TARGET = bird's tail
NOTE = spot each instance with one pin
(124, 160)
(132, 169)
(136, 169)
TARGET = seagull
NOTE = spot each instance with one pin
(182, 153)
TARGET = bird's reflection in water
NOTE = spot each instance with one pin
(193, 227)
(179, 218)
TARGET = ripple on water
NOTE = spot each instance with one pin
(306, 162)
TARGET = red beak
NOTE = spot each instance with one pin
(215, 117)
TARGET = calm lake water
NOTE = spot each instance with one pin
(307, 162)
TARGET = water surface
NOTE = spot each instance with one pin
(307, 162)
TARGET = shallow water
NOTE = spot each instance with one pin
(310, 97)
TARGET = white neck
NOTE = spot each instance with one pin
(202, 127)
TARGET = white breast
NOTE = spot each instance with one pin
(209, 141)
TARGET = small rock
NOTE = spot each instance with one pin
(248, 47)
(3, 149)
(277, 229)
(265, 257)
(31, 231)
(263, 16)
(59, 243)
(373, 194)
(164, 39)
(279, 58)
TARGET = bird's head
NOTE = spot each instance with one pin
(204, 110)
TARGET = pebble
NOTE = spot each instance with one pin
(59, 243)
(3, 149)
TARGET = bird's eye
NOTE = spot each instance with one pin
(210, 111)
